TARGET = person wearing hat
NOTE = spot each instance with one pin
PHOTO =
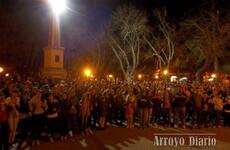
(13, 104)
(3, 123)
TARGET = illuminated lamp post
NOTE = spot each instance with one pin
(54, 52)
(140, 76)
(87, 72)
(1, 70)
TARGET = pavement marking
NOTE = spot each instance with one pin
(133, 141)
(158, 127)
(83, 143)
(119, 145)
(127, 143)
(176, 129)
(28, 148)
(109, 147)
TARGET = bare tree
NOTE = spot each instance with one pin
(163, 45)
(210, 37)
(99, 55)
(127, 30)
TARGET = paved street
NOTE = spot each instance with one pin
(117, 138)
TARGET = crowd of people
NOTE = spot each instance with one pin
(30, 109)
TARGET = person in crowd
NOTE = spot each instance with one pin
(218, 103)
(227, 112)
(204, 112)
(197, 98)
(95, 107)
(13, 104)
(102, 112)
(85, 114)
(167, 106)
(3, 123)
(130, 107)
(73, 111)
(211, 111)
(118, 107)
(108, 106)
(143, 105)
(52, 116)
(150, 107)
(156, 106)
(37, 108)
(25, 117)
(63, 114)
(180, 108)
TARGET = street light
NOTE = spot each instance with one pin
(213, 75)
(110, 76)
(165, 72)
(87, 72)
(54, 53)
(58, 6)
(1, 69)
(156, 77)
(140, 76)
(91, 76)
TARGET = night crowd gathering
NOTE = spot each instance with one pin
(30, 109)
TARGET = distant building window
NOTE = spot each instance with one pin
(57, 59)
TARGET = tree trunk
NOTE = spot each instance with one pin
(201, 70)
(129, 77)
(216, 65)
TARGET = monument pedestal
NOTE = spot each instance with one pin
(54, 63)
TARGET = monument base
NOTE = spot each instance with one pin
(56, 73)
(54, 63)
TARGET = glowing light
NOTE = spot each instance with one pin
(140, 76)
(165, 72)
(213, 75)
(183, 79)
(156, 77)
(210, 80)
(87, 72)
(7, 75)
(58, 6)
(110, 76)
(1, 69)
(91, 76)
(173, 78)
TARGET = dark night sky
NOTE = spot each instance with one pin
(92, 15)
(89, 16)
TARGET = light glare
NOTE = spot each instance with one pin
(110, 76)
(58, 6)
(140, 76)
(213, 75)
(173, 78)
(156, 77)
(1, 69)
(165, 72)
(87, 72)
